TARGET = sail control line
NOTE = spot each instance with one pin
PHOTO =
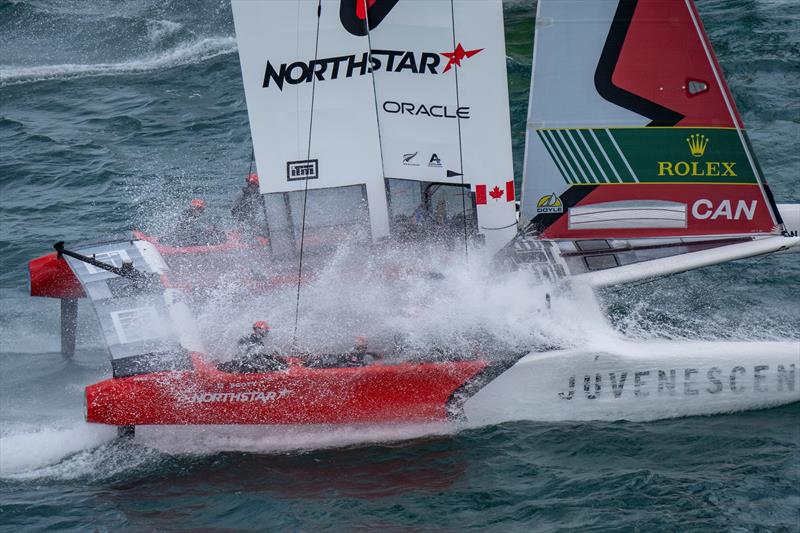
(305, 186)
(460, 144)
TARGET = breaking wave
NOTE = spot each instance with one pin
(183, 54)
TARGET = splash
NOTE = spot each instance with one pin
(183, 54)
(35, 448)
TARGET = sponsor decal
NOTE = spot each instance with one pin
(233, 397)
(434, 161)
(495, 193)
(697, 148)
(355, 14)
(408, 159)
(428, 110)
(302, 170)
(456, 56)
(704, 209)
(549, 203)
(113, 257)
(682, 382)
(600, 156)
(332, 68)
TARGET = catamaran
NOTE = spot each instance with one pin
(378, 121)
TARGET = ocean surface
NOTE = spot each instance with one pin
(114, 112)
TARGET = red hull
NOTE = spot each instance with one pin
(51, 277)
(376, 393)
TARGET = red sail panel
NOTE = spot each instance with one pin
(667, 59)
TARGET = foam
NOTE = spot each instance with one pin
(183, 54)
(33, 448)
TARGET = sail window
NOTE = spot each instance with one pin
(334, 216)
(592, 245)
(424, 210)
(601, 262)
(695, 87)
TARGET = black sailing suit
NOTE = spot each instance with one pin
(248, 211)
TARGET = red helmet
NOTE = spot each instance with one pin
(252, 179)
(197, 204)
(260, 327)
(361, 341)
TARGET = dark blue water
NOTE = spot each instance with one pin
(112, 113)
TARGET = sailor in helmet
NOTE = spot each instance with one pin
(248, 208)
(192, 230)
(358, 355)
(255, 342)
(254, 354)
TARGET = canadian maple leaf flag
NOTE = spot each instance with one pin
(496, 193)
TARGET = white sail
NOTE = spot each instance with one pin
(442, 99)
(410, 91)
(293, 60)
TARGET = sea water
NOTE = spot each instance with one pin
(114, 113)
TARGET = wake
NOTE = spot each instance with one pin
(184, 54)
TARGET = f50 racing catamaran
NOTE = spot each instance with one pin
(378, 121)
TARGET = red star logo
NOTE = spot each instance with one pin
(455, 57)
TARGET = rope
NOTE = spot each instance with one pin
(460, 152)
(305, 188)
(374, 88)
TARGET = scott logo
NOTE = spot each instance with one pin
(359, 17)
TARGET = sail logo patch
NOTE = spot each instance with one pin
(457, 55)
(704, 209)
(697, 144)
(408, 159)
(427, 110)
(483, 193)
(302, 170)
(549, 203)
(605, 156)
(356, 14)
(347, 66)
(434, 161)
(697, 169)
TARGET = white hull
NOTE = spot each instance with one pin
(641, 382)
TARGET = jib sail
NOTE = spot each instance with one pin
(632, 131)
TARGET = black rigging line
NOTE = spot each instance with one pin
(460, 152)
(374, 88)
(305, 188)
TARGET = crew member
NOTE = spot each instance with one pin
(254, 355)
(358, 355)
(191, 230)
(254, 343)
(248, 208)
